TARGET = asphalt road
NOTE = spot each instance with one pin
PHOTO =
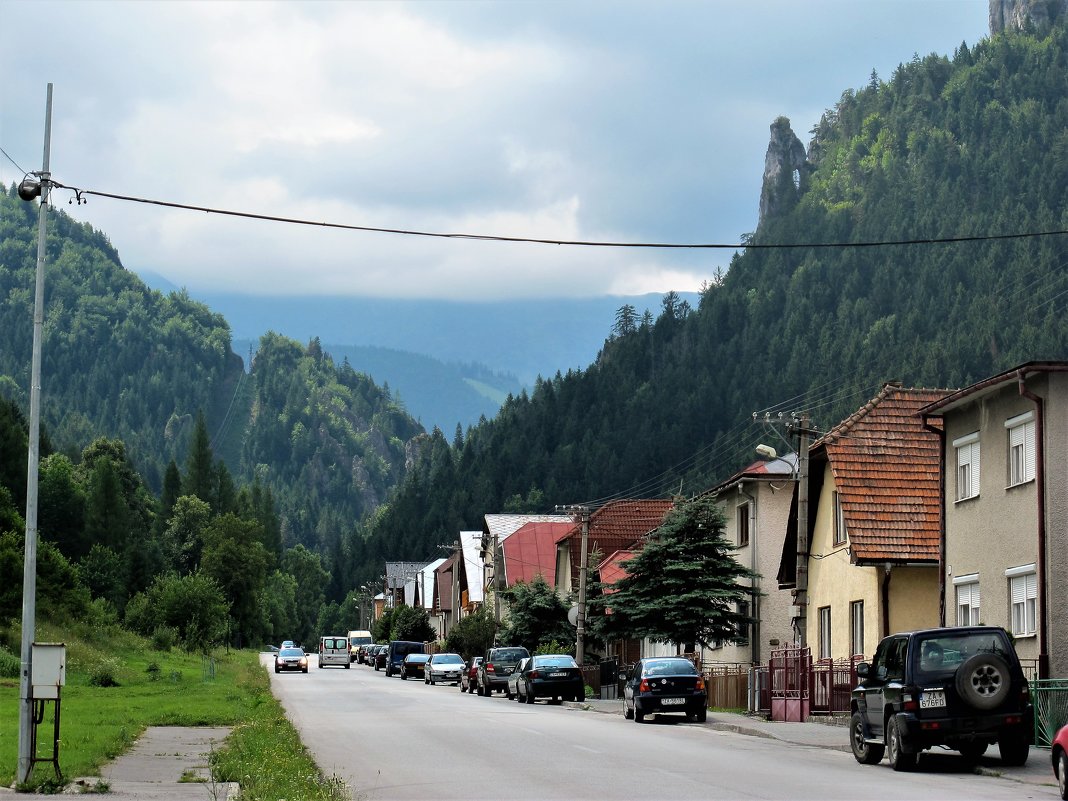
(390, 740)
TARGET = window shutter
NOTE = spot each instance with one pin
(1029, 449)
(1019, 589)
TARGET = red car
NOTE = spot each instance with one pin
(469, 678)
(1059, 754)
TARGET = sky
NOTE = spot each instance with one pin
(561, 119)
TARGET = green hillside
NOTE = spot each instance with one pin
(945, 148)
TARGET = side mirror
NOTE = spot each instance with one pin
(863, 670)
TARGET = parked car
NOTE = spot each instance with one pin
(663, 684)
(288, 644)
(291, 659)
(960, 687)
(514, 678)
(495, 668)
(333, 651)
(444, 667)
(381, 655)
(1059, 754)
(469, 678)
(414, 664)
(554, 676)
(397, 651)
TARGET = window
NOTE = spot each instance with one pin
(743, 625)
(856, 627)
(825, 632)
(967, 466)
(967, 600)
(742, 512)
(839, 520)
(1021, 431)
(1023, 598)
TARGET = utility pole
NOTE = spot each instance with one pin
(29, 571)
(801, 577)
(583, 515)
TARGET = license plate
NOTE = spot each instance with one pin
(930, 699)
(673, 701)
(557, 675)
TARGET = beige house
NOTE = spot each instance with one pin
(757, 504)
(874, 501)
(1006, 508)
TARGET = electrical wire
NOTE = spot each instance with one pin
(17, 167)
(79, 193)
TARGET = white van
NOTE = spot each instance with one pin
(334, 651)
(356, 640)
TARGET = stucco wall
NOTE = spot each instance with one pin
(762, 555)
(913, 594)
(999, 529)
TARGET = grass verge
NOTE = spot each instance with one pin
(117, 685)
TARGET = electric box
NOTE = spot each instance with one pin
(48, 670)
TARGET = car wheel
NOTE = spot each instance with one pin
(983, 681)
(276, 670)
(899, 760)
(529, 697)
(478, 689)
(639, 716)
(1015, 745)
(1062, 780)
(580, 697)
(304, 671)
(404, 676)
(627, 713)
(701, 716)
(348, 665)
(864, 752)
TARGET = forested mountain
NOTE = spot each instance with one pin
(815, 314)
(123, 361)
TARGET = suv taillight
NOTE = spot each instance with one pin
(489, 667)
(644, 686)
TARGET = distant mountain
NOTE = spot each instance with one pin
(524, 338)
(433, 392)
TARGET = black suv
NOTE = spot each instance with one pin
(962, 688)
(497, 665)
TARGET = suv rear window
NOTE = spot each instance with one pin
(508, 654)
(942, 655)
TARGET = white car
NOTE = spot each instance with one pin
(334, 651)
(444, 667)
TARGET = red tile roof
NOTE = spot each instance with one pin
(886, 467)
(616, 526)
(531, 551)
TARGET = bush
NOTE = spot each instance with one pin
(104, 673)
(10, 664)
(164, 638)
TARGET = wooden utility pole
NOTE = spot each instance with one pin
(580, 634)
(801, 576)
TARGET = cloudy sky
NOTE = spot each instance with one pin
(606, 121)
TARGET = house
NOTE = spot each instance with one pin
(459, 581)
(531, 551)
(400, 586)
(874, 522)
(496, 529)
(757, 503)
(1005, 481)
(426, 583)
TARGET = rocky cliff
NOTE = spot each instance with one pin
(785, 170)
(1021, 15)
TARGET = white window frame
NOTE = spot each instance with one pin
(968, 465)
(856, 627)
(1023, 600)
(824, 613)
(967, 599)
(742, 514)
(1021, 448)
(839, 520)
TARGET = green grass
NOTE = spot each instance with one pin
(173, 688)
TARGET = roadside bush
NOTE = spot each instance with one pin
(10, 664)
(164, 638)
(104, 673)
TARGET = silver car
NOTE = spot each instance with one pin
(444, 667)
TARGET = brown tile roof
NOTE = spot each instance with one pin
(886, 467)
(617, 526)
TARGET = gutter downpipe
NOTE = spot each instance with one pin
(755, 595)
(1040, 481)
(941, 434)
(884, 592)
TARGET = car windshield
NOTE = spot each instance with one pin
(509, 654)
(669, 667)
(941, 654)
(291, 652)
(448, 659)
(416, 658)
(554, 661)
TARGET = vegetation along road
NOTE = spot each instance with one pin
(391, 739)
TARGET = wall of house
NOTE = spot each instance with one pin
(1056, 459)
(833, 581)
(762, 555)
(998, 530)
(913, 596)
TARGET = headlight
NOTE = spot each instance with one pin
(303, 661)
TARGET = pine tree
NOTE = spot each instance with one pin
(683, 587)
(199, 468)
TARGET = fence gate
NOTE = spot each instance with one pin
(791, 680)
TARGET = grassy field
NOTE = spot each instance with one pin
(116, 685)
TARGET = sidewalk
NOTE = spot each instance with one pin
(166, 762)
(1038, 771)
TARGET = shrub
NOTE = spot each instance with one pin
(104, 673)
(164, 638)
(10, 664)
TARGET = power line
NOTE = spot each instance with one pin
(80, 193)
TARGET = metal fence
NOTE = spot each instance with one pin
(1050, 700)
(833, 681)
